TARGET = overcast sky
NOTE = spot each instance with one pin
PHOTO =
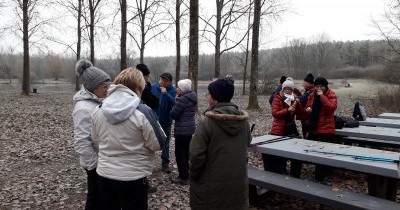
(340, 20)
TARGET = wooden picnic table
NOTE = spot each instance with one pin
(309, 151)
(388, 115)
(381, 122)
(372, 135)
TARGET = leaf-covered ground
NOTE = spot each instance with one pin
(40, 170)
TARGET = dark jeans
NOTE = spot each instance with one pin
(182, 155)
(322, 170)
(125, 195)
(165, 149)
(92, 198)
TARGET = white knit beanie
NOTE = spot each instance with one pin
(185, 85)
(90, 76)
(288, 83)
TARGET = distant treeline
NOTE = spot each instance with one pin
(357, 59)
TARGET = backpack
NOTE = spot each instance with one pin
(359, 112)
(347, 122)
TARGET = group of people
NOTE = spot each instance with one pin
(119, 125)
(314, 108)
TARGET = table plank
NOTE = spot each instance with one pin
(389, 115)
(380, 133)
(295, 149)
(381, 122)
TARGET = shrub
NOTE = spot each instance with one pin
(389, 98)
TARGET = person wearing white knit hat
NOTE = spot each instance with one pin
(183, 112)
(284, 109)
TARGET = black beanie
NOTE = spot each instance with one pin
(283, 79)
(321, 81)
(143, 68)
(222, 89)
(309, 78)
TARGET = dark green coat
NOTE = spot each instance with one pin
(218, 159)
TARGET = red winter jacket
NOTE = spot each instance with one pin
(279, 113)
(326, 119)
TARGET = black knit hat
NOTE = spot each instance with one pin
(166, 76)
(321, 81)
(282, 80)
(222, 89)
(143, 68)
(309, 78)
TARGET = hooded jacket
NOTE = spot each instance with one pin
(183, 112)
(126, 138)
(85, 104)
(218, 159)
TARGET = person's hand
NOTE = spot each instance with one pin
(319, 92)
(163, 89)
(291, 109)
(308, 110)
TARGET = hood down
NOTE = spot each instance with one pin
(229, 117)
(120, 103)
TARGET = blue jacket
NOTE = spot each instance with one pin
(166, 101)
(183, 113)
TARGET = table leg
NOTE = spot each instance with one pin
(382, 187)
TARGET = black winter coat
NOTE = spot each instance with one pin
(183, 112)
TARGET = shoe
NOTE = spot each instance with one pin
(180, 181)
(166, 169)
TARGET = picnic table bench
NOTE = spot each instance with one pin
(316, 192)
(381, 122)
(383, 175)
(389, 115)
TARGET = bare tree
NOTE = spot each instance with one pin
(194, 43)
(124, 24)
(253, 101)
(153, 21)
(227, 29)
(389, 27)
(91, 21)
(75, 7)
(27, 12)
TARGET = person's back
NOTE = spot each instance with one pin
(218, 155)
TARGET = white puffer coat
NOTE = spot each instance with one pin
(126, 139)
(85, 104)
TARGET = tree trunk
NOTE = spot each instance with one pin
(25, 31)
(253, 101)
(178, 41)
(78, 45)
(217, 55)
(246, 55)
(91, 28)
(142, 34)
(123, 5)
(194, 43)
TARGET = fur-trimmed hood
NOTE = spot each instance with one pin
(228, 117)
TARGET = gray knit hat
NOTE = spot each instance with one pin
(90, 76)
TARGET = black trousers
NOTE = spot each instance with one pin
(182, 144)
(125, 195)
(92, 197)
